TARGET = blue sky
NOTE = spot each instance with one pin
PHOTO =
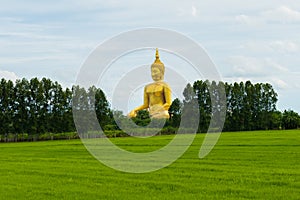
(247, 40)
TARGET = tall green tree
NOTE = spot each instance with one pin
(80, 108)
(189, 114)
(203, 97)
(290, 120)
(21, 107)
(218, 105)
(7, 107)
(175, 113)
(103, 111)
(248, 108)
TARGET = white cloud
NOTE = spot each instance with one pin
(277, 82)
(244, 66)
(10, 19)
(251, 66)
(194, 11)
(256, 46)
(23, 60)
(284, 46)
(244, 19)
(8, 75)
(270, 64)
(276, 46)
(186, 12)
(280, 84)
(281, 14)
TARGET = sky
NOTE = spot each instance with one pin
(247, 40)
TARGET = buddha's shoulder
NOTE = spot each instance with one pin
(155, 84)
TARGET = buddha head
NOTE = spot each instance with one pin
(157, 69)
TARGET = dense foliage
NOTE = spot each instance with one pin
(247, 106)
(31, 109)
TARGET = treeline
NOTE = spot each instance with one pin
(247, 106)
(41, 109)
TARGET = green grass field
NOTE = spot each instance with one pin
(243, 165)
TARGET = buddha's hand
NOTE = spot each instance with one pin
(132, 114)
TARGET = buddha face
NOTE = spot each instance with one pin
(156, 74)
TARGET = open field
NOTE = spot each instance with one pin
(243, 165)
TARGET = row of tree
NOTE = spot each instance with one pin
(35, 106)
(30, 108)
(244, 106)
(41, 106)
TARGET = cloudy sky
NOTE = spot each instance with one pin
(247, 40)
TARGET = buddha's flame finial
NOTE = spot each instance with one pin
(157, 60)
(157, 54)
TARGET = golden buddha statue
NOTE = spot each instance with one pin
(157, 95)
